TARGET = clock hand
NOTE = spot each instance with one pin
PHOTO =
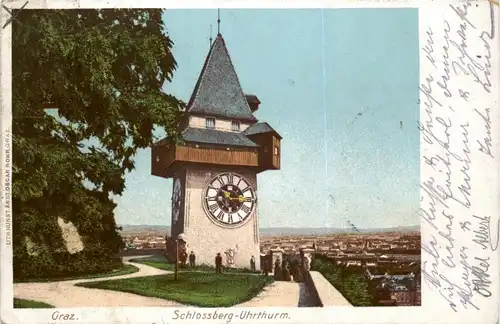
(239, 198)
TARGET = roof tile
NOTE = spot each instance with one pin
(260, 128)
(214, 136)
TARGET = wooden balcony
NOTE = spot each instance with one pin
(165, 158)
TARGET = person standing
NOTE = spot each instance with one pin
(218, 263)
(192, 259)
(183, 259)
(278, 275)
(286, 272)
(264, 266)
(252, 264)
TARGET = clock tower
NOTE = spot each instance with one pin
(214, 170)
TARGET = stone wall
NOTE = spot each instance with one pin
(312, 292)
(324, 291)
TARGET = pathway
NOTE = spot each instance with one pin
(281, 293)
(66, 294)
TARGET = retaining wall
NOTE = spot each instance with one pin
(322, 290)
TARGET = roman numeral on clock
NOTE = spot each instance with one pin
(230, 178)
(246, 189)
(214, 198)
(220, 216)
(213, 207)
(230, 220)
(245, 208)
(220, 181)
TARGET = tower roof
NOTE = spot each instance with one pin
(218, 91)
(260, 128)
(218, 137)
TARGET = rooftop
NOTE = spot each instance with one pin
(213, 136)
(218, 91)
(260, 128)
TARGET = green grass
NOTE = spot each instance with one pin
(201, 289)
(26, 303)
(123, 270)
(160, 263)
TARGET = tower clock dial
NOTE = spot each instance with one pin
(176, 200)
(229, 199)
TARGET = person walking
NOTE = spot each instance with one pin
(192, 259)
(218, 263)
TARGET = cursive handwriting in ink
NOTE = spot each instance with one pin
(462, 12)
(481, 282)
(432, 276)
(448, 260)
(426, 89)
(466, 63)
(476, 275)
(446, 195)
(446, 77)
(465, 188)
(482, 233)
(485, 146)
(428, 48)
(486, 37)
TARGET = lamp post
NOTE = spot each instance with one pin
(176, 258)
(413, 289)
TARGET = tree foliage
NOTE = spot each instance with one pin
(104, 71)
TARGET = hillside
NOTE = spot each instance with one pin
(276, 231)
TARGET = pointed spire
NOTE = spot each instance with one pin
(218, 91)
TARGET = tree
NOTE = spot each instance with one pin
(104, 70)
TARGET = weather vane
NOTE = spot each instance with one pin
(218, 22)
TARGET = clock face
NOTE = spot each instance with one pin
(176, 200)
(229, 199)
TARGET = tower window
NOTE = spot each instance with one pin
(276, 150)
(235, 125)
(210, 122)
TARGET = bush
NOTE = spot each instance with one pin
(63, 264)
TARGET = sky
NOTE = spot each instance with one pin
(339, 85)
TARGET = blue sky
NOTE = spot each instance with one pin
(314, 71)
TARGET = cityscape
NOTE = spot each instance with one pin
(389, 260)
(248, 142)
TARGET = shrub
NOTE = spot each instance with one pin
(63, 264)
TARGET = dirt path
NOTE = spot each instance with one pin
(65, 294)
(279, 293)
